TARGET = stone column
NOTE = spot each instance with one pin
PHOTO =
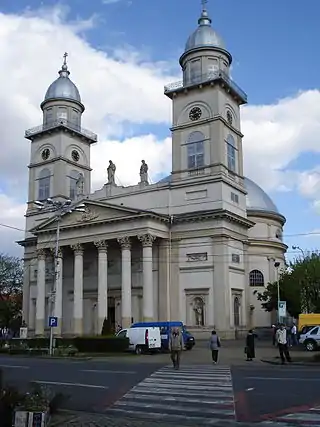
(148, 301)
(58, 265)
(41, 293)
(126, 314)
(102, 282)
(78, 290)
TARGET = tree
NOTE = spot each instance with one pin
(105, 328)
(299, 287)
(11, 280)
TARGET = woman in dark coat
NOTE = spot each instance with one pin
(250, 344)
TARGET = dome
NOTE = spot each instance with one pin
(204, 35)
(257, 199)
(63, 87)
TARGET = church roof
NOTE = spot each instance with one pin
(63, 87)
(204, 35)
(257, 198)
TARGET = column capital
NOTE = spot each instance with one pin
(60, 252)
(146, 239)
(77, 248)
(124, 242)
(101, 245)
(41, 254)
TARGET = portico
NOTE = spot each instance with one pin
(121, 266)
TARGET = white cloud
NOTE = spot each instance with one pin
(275, 135)
(123, 90)
(11, 213)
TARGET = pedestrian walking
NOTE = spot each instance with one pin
(283, 344)
(215, 344)
(175, 347)
(250, 346)
(294, 335)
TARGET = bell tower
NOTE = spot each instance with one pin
(206, 135)
(60, 147)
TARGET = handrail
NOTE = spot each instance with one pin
(58, 123)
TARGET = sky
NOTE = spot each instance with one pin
(122, 53)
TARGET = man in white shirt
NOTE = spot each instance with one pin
(281, 337)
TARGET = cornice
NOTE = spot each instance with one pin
(59, 158)
(207, 120)
(267, 214)
(28, 242)
(268, 243)
(214, 214)
(96, 223)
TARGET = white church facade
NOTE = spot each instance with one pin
(193, 247)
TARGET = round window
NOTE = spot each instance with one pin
(75, 155)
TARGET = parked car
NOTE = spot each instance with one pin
(310, 338)
(165, 328)
(142, 340)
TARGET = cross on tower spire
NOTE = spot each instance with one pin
(204, 2)
(66, 55)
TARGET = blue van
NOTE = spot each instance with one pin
(165, 327)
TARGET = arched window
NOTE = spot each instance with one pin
(231, 153)
(73, 177)
(256, 278)
(195, 147)
(236, 311)
(44, 184)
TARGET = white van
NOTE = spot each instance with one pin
(142, 339)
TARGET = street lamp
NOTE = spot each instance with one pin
(60, 208)
(277, 265)
(295, 248)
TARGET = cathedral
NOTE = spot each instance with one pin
(195, 246)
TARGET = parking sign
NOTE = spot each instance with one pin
(53, 322)
(282, 307)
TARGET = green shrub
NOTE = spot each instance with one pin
(101, 344)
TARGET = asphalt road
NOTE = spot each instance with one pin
(271, 392)
(90, 385)
(197, 392)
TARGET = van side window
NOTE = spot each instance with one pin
(122, 334)
(314, 331)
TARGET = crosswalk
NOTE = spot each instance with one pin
(307, 418)
(194, 395)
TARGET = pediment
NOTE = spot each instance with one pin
(94, 212)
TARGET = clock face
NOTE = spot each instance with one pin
(195, 113)
(45, 154)
(229, 118)
(75, 156)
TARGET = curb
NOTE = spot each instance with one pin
(274, 362)
(30, 356)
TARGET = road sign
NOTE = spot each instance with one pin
(282, 308)
(53, 322)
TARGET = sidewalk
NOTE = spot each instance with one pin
(231, 353)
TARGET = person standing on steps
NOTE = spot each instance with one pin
(250, 346)
(175, 347)
(214, 346)
(283, 345)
